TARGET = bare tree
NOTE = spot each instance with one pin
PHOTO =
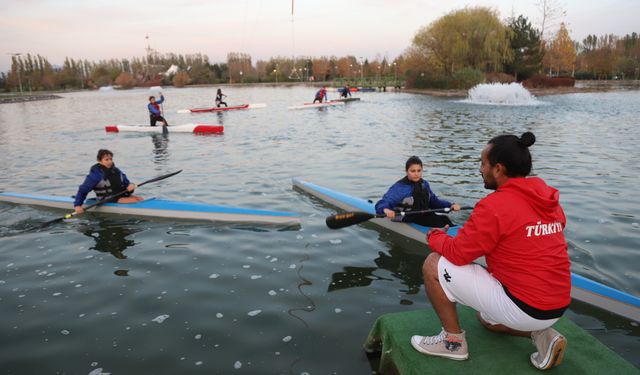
(550, 11)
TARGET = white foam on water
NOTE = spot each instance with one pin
(214, 276)
(237, 365)
(98, 371)
(160, 318)
(254, 312)
(286, 339)
(508, 94)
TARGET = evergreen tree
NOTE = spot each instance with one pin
(526, 47)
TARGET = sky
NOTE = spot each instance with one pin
(101, 29)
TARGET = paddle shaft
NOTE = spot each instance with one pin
(351, 218)
(108, 199)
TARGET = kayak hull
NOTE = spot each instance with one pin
(316, 105)
(346, 100)
(160, 208)
(222, 109)
(185, 128)
(582, 289)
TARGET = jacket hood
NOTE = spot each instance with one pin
(544, 199)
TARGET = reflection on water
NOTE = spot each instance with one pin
(110, 237)
(160, 148)
(318, 291)
(404, 267)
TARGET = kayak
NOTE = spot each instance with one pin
(222, 109)
(582, 288)
(316, 105)
(160, 208)
(346, 100)
(185, 128)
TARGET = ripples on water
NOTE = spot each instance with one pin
(156, 296)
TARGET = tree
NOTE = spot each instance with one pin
(526, 49)
(471, 37)
(561, 53)
(550, 11)
(181, 79)
(125, 80)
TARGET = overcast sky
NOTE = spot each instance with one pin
(101, 29)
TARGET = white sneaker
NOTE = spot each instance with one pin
(551, 345)
(448, 345)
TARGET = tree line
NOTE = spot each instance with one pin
(460, 49)
(473, 45)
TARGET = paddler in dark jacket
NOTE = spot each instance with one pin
(219, 97)
(106, 180)
(346, 90)
(155, 114)
(321, 95)
(412, 193)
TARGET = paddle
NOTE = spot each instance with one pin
(351, 218)
(165, 131)
(107, 199)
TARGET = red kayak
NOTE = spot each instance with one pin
(221, 109)
(186, 128)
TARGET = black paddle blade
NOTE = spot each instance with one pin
(159, 178)
(346, 219)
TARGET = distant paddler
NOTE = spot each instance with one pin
(155, 113)
(321, 95)
(346, 90)
(106, 180)
(219, 97)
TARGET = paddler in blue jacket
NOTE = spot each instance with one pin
(412, 193)
(155, 114)
(106, 180)
(321, 95)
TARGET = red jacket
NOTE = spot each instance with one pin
(519, 230)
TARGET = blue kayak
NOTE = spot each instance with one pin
(164, 209)
(582, 288)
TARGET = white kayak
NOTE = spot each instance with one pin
(316, 105)
(185, 128)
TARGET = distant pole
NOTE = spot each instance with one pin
(18, 70)
(361, 70)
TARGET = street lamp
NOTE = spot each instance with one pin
(241, 77)
(361, 69)
(395, 65)
(16, 54)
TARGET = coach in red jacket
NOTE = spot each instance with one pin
(526, 286)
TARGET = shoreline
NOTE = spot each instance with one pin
(585, 86)
(580, 87)
(27, 98)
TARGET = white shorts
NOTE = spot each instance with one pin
(473, 286)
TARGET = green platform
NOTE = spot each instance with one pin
(489, 353)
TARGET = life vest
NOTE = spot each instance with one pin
(320, 93)
(156, 106)
(111, 183)
(419, 199)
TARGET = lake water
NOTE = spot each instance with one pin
(127, 295)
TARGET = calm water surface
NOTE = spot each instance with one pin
(127, 295)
